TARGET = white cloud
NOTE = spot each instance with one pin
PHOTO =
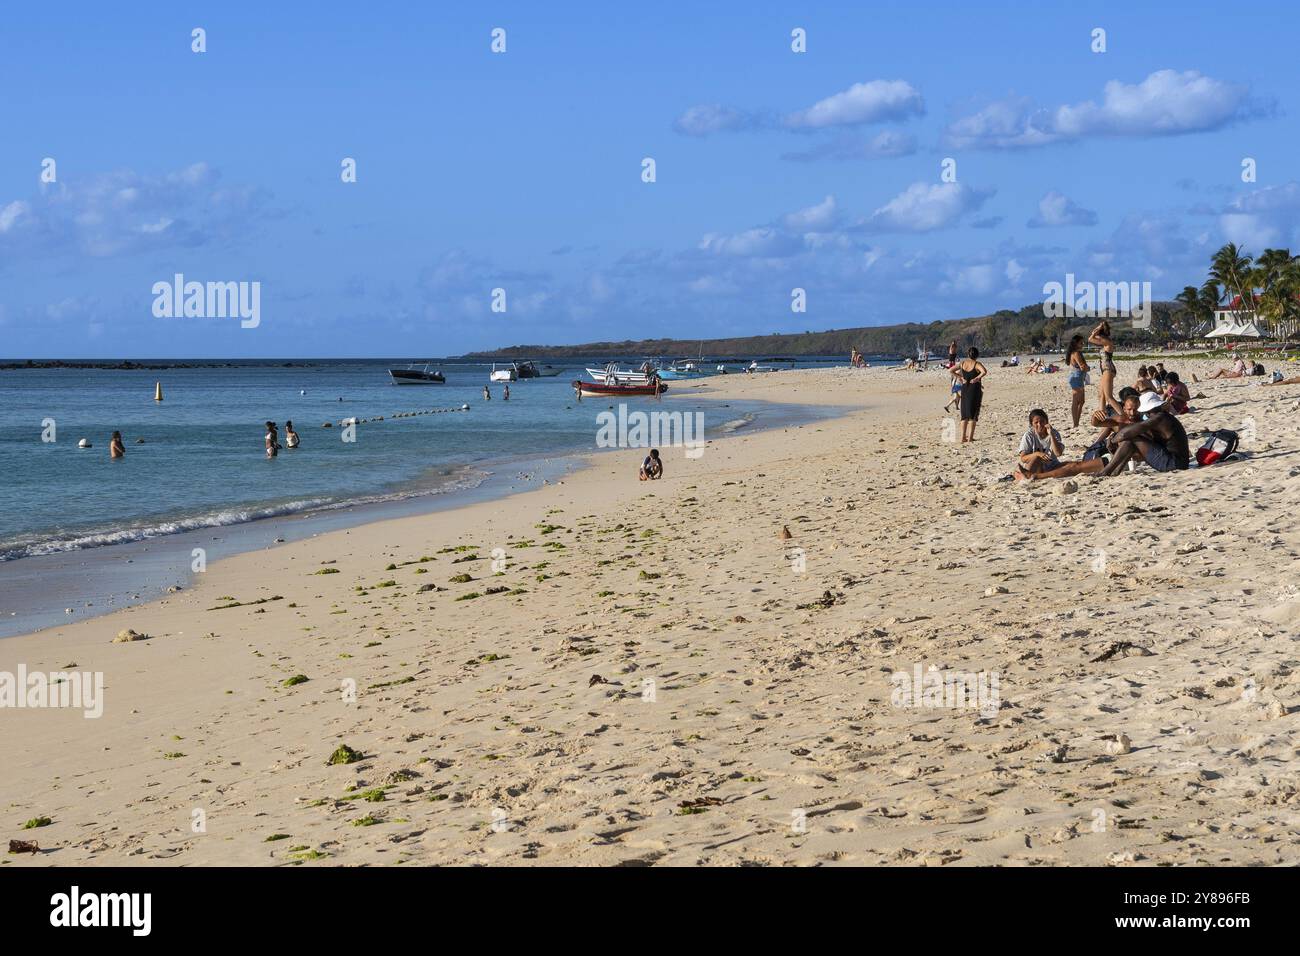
(887, 144)
(923, 207)
(1265, 218)
(1056, 210)
(861, 103)
(711, 118)
(761, 241)
(124, 212)
(817, 218)
(1166, 103)
(11, 213)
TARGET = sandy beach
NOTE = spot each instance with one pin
(657, 675)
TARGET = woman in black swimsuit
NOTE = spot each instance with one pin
(1100, 337)
(972, 372)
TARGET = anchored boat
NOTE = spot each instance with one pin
(611, 389)
(415, 375)
(614, 375)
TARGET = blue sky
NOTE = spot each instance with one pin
(522, 170)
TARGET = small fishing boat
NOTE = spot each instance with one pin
(613, 389)
(508, 374)
(531, 370)
(680, 370)
(415, 375)
(621, 376)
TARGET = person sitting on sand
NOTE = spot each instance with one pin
(1041, 450)
(1145, 383)
(1177, 394)
(1112, 420)
(115, 447)
(1159, 376)
(652, 469)
(1160, 439)
(290, 436)
(1238, 370)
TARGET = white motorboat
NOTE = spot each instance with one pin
(611, 374)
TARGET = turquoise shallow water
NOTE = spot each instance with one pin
(202, 464)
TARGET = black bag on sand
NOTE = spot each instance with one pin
(1095, 450)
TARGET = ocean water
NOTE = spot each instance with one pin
(202, 462)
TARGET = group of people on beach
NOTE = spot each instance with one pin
(1141, 422)
(272, 439)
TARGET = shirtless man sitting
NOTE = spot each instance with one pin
(1160, 439)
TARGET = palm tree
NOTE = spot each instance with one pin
(1277, 275)
(1192, 311)
(1210, 296)
(1231, 269)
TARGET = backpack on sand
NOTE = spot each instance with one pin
(1218, 446)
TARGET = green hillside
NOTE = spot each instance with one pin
(1027, 330)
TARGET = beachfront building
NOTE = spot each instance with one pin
(1234, 321)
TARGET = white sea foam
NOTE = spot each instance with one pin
(32, 546)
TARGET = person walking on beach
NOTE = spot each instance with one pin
(954, 395)
(1101, 337)
(952, 353)
(1078, 366)
(290, 436)
(272, 440)
(115, 447)
(972, 373)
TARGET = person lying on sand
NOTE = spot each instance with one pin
(1238, 370)
(1041, 450)
(1293, 380)
(652, 469)
(1160, 440)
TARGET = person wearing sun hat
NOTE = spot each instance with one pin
(1159, 439)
